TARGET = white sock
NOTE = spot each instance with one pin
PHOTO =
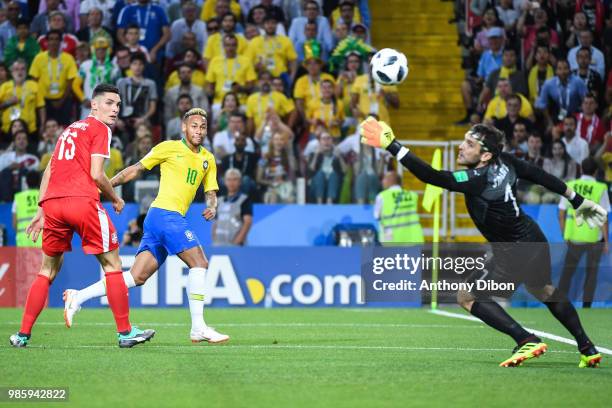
(195, 294)
(98, 289)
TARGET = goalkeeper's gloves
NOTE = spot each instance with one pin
(376, 133)
(588, 211)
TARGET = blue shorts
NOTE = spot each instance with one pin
(166, 233)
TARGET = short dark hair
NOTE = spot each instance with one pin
(589, 166)
(185, 96)
(104, 88)
(572, 117)
(229, 13)
(515, 97)
(587, 49)
(57, 32)
(33, 179)
(22, 22)
(490, 138)
(238, 114)
(270, 17)
(132, 26)
(138, 56)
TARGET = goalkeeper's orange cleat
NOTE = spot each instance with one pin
(525, 352)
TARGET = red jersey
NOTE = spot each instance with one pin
(71, 160)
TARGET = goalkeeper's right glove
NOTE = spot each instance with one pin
(591, 213)
(376, 133)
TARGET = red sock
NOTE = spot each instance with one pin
(35, 303)
(117, 294)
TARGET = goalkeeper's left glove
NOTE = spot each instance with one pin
(588, 211)
(376, 133)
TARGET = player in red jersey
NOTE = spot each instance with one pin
(70, 202)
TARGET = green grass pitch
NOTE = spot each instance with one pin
(304, 358)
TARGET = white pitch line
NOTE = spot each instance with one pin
(278, 346)
(538, 333)
(291, 324)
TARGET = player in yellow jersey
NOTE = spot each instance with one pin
(184, 165)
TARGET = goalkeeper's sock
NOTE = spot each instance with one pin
(98, 289)
(565, 313)
(495, 316)
(35, 303)
(195, 293)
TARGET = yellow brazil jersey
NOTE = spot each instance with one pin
(273, 52)
(53, 74)
(208, 10)
(370, 98)
(336, 16)
(28, 100)
(182, 171)
(258, 103)
(224, 71)
(197, 78)
(308, 89)
(497, 108)
(326, 113)
(214, 46)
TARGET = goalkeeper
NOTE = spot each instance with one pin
(489, 185)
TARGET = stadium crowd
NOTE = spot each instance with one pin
(283, 81)
(540, 71)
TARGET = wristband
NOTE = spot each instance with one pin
(396, 149)
(576, 200)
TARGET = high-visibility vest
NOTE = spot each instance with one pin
(26, 203)
(399, 220)
(593, 190)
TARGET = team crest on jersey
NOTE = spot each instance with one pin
(189, 235)
(205, 165)
(114, 239)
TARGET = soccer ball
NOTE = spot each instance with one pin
(389, 67)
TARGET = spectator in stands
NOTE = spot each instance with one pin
(258, 104)
(490, 60)
(55, 71)
(70, 8)
(274, 53)
(274, 10)
(528, 192)
(369, 97)
(561, 165)
(153, 23)
(185, 86)
(597, 60)
(308, 87)
(21, 46)
(8, 28)
(588, 123)
(326, 168)
(229, 104)
(497, 107)
(251, 31)
(271, 126)
(340, 33)
(513, 116)
(594, 11)
(174, 126)
(589, 76)
(517, 144)
(138, 96)
(326, 111)
(604, 157)
(134, 232)
(347, 14)
(279, 86)
(576, 146)
(14, 164)
(234, 213)
(122, 60)
(40, 23)
(219, 8)
(323, 33)
(188, 24)
(212, 27)
(229, 72)
(529, 31)
(245, 162)
(507, 15)
(579, 24)
(144, 145)
(540, 73)
(489, 21)
(95, 71)
(198, 77)
(132, 41)
(310, 44)
(561, 95)
(94, 28)
(276, 172)
(105, 8)
(20, 99)
(57, 22)
(345, 83)
(215, 45)
(188, 42)
(257, 16)
(507, 70)
(223, 141)
(50, 134)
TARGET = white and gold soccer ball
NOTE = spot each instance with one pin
(389, 67)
